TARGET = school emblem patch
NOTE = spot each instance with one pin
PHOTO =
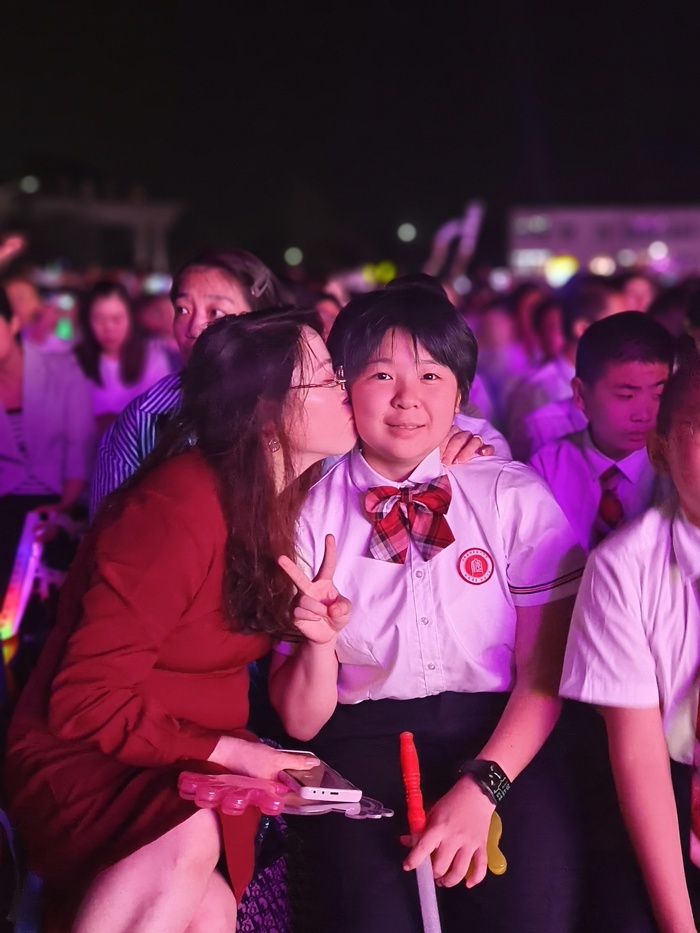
(475, 565)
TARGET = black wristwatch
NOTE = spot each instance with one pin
(490, 777)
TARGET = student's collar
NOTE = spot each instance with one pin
(363, 476)
(632, 466)
(686, 545)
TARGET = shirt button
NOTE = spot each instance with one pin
(419, 573)
(425, 620)
(431, 666)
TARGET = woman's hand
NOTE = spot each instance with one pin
(257, 759)
(460, 446)
(456, 832)
(320, 612)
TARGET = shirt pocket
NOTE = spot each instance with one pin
(355, 650)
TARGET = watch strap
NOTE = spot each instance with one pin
(490, 777)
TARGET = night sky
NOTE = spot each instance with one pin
(327, 125)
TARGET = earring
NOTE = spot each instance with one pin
(274, 445)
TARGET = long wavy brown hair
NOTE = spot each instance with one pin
(236, 400)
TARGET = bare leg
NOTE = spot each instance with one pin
(159, 888)
(217, 910)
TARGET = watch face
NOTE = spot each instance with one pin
(498, 783)
(489, 776)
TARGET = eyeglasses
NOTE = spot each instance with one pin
(329, 384)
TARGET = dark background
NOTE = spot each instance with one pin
(326, 125)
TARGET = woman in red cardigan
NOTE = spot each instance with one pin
(173, 593)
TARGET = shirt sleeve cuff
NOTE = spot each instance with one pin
(195, 742)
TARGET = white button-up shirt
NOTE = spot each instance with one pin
(548, 423)
(550, 383)
(447, 624)
(634, 641)
(572, 468)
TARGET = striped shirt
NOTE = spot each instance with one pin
(132, 437)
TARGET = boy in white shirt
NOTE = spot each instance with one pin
(601, 475)
(461, 581)
(634, 650)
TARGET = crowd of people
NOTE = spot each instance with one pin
(473, 517)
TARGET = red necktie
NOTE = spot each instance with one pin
(695, 785)
(417, 512)
(610, 512)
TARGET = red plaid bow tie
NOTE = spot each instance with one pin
(399, 514)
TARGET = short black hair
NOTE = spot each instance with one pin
(5, 306)
(416, 304)
(585, 298)
(671, 299)
(628, 337)
(693, 312)
(685, 380)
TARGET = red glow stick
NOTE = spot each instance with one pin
(410, 771)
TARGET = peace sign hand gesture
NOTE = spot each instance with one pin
(320, 612)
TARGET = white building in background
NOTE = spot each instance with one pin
(89, 226)
(556, 241)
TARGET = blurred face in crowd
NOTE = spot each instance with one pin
(24, 300)
(681, 452)
(551, 333)
(621, 405)
(204, 295)
(45, 322)
(329, 310)
(615, 304)
(404, 403)
(496, 329)
(639, 293)
(524, 312)
(110, 323)
(321, 421)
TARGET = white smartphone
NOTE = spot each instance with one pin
(321, 783)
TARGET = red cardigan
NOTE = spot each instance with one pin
(140, 673)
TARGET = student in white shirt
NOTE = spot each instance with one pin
(633, 650)
(461, 646)
(622, 363)
(555, 419)
(548, 423)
